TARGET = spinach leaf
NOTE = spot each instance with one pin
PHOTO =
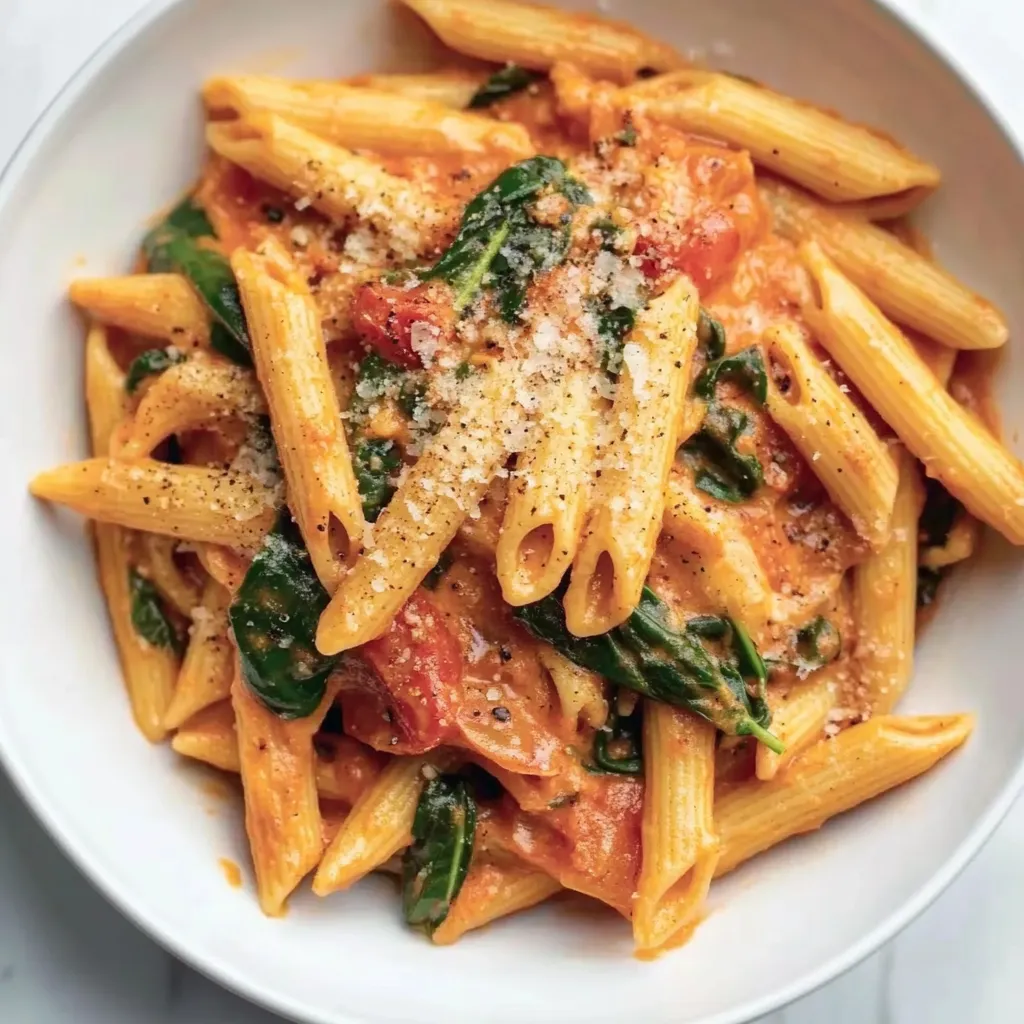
(146, 364)
(435, 865)
(443, 564)
(509, 80)
(720, 469)
(375, 460)
(745, 366)
(500, 246)
(274, 617)
(148, 615)
(928, 581)
(938, 515)
(816, 644)
(173, 246)
(710, 336)
(648, 655)
(624, 731)
(377, 378)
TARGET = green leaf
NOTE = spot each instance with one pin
(816, 644)
(148, 615)
(146, 364)
(435, 865)
(509, 80)
(745, 367)
(375, 461)
(940, 512)
(274, 617)
(720, 469)
(499, 245)
(433, 578)
(710, 336)
(377, 379)
(174, 246)
(648, 654)
(625, 731)
(928, 581)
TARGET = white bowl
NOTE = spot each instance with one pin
(121, 140)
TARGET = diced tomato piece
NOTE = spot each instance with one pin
(416, 683)
(704, 248)
(403, 323)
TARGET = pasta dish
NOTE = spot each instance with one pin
(531, 475)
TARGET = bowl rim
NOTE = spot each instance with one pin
(264, 994)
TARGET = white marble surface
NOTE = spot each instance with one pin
(67, 956)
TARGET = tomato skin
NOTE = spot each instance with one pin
(704, 248)
(416, 683)
(384, 316)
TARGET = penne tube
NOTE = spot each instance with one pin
(580, 691)
(149, 671)
(907, 286)
(207, 668)
(548, 493)
(537, 37)
(339, 183)
(362, 118)
(436, 495)
(344, 768)
(493, 888)
(953, 444)
(175, 585)
(940, 359)
(840, 445)
(452, 88)
(225, 565)
(731, 573)
(680, 847)
(291, 363)
(888, 208)
(798, 718)
(196, 394)
(831, 157)
(187, 502)
(154, 305)
(282, 812)
(833, 776)
(379, 825)
(885, 600)
(628, 502)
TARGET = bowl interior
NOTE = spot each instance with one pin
(122, 142)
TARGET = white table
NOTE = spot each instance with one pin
(67, 956)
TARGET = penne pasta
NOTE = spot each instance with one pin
(731, 573)
(454, 88)
(344, 769)
(291, 363)
(548, 493)
(339, 183)
(176, 586)
(154, 305)
(207, 668)
(494, 888)
(628, 502)
(833, 776)
(960, 544)
(885, 600)
(798, 718)
(225, 565)
(379, 825)
(907, 286)
(954, 446)
(187, 502)
(149, 670)
(199, 393)
(680, 846)
(282, 813)
(436, 495)
(363, 118)
(831, 157)
(580, 692)
(537, 37)
(831, 433)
